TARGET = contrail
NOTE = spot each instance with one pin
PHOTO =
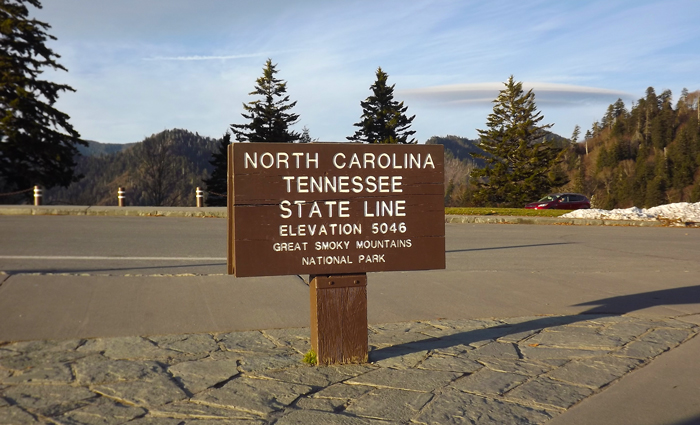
(203, 58)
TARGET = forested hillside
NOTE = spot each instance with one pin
(645, 156)
(163, 169)
(459, 163)
(460, 148)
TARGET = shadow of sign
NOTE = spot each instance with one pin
(510, 247)
(628, 303)
(613, 306)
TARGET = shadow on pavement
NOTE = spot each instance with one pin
(691, 421)
(614, 306)
(511, 247)
(11, 271)
(469, 337)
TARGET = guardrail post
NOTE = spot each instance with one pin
(121, 195)
(37, 195)
(200, 197)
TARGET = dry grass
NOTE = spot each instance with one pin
(522, 212)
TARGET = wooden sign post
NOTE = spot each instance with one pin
(335, 211)
(339, 318)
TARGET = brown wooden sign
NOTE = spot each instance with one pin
(334, 208)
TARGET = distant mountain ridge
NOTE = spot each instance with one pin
(460, 148)
(464, 149)
(99, 149)
(184, 160)
(108, 166)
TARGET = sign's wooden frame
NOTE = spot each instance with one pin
(335, 211)
(334, 208)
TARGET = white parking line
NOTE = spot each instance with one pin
(93, 258)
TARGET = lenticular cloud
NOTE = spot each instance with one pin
(484, 93)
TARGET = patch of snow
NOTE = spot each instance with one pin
(681, 212)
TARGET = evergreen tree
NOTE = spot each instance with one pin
(306, 136)
(270, 117)
(666, 97)
(655, 193)
(609, 117)
(575, 134)
(656, 188)
(570, 156)
(683, 100)
(520, 158)
(695, 193)
(642, 174)
(383, 118)
(217, 184)
(580, 179)
(603, 159)
(37, 143)
(682, 161)
(651, 103)
(619, 109)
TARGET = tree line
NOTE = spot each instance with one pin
(517, 154)
(269, 118)
(645, 156)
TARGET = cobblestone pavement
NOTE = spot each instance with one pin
(497, 371)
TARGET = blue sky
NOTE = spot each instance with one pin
(140, 67)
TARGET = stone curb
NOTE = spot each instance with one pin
(221, 212)
(218, 212)
(489, 219)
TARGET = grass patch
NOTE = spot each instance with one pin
(310, 358)
(518, 212)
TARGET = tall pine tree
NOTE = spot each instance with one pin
(217, 184)
(519, 158)
(383, 118)
(37, 143)
(268, 118)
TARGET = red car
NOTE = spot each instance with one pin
(561, 201)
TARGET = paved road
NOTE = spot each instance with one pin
(79, 239)
(112, 277)
(75, 277)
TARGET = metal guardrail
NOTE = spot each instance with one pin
(199, 196)
(17, 192)
(38, 192)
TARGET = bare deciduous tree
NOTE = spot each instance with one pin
(456, 180)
